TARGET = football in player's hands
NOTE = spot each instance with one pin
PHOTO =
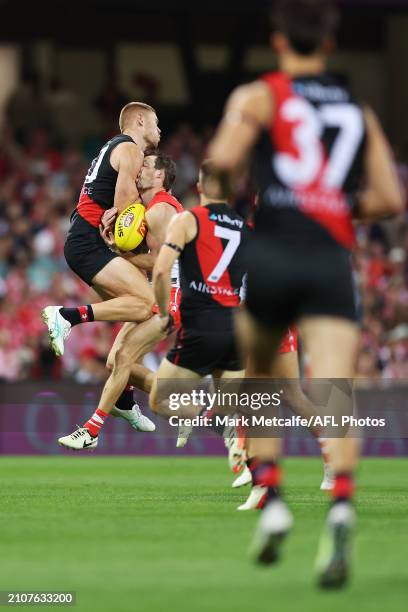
(130, 227)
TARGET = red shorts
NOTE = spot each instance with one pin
(289, 342)
(174, 306)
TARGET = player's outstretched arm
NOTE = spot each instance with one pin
(182, 229)
(382, 195)
(127, 159)
(248, 110)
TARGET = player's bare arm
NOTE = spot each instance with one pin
(126, 159)
(157, 221)
(382, 195)
(248, 110)
(182, 230)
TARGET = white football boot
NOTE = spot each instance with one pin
(58, 328)
(244, 478)
(273, 526)
(184, 432)
(256, 498)
(79, 440)
(135, 417)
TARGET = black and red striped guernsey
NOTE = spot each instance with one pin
(98, 191)
(213, 265)
(309, 162)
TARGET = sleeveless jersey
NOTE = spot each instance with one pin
(212, 266)
(165, 196)
(98, 191)
(310, 159)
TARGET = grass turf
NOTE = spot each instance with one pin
(153, 534)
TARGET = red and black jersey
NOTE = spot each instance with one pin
(213, 265)
(310, 160)
(98, 191)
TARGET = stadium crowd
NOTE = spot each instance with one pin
(41, 174)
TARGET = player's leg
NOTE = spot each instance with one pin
(132, 296)
(320, 335)
(285, 368)
(132, 342)
(233, 435)
(141, 377)
(261, 345)
(126, 296)
(159, 397)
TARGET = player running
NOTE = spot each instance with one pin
(321, 159)
(209, 242)
(155, 180)
(109, 188)
(285, 368)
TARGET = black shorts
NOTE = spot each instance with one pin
(206, 343)
(291, 279)
(84, 250)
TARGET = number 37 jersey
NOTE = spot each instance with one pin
(213, 265)
(310, 159)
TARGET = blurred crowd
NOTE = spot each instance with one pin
(41, 174)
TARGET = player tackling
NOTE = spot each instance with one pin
(154, 183)
(109, 188)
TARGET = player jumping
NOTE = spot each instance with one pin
(109, 187)
(155, 180)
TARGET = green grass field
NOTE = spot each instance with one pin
(153, 534)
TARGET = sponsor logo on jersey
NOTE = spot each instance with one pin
(316, 92)
(226, 219)
(213, 289)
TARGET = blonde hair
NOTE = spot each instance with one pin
(128, 110)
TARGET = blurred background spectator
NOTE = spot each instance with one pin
(60, 101)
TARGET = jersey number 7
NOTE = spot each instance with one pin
(234, 239)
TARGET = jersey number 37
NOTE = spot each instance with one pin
(313, 163)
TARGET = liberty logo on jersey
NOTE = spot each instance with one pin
(226, 219)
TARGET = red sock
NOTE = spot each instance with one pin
(343, 487)
(96, 421)
(266, 474)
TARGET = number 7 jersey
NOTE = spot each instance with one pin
(310, 160)
(213, 266)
